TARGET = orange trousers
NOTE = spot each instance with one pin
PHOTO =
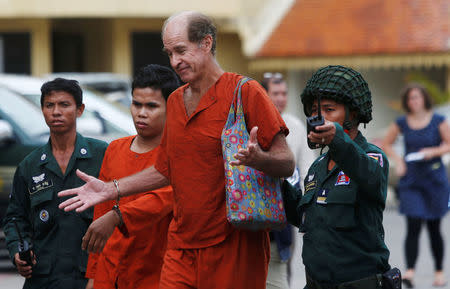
(239, 262)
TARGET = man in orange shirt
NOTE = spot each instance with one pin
(134, 252)
(204, 250)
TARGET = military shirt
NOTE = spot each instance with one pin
(341, 212)
(55, 235)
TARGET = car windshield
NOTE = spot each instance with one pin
(109, 111)
(25, 115)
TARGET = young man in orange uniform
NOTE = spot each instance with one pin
(133, 255)
(204, 250)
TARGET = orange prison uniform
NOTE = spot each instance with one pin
(133, 255)
(204, 250)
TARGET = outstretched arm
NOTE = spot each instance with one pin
(278, 161)
(96, 191)
(369, 172)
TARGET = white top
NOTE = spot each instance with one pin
(297, 142)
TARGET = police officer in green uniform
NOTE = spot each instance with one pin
(341, 211)
(55, 235)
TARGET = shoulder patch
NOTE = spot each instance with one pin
(342, 179)
(377, 156)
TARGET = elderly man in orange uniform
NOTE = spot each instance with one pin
(134, 252)
(204, 250)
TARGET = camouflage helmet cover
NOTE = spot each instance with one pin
(341, 84)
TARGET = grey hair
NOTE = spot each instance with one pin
(198, 27)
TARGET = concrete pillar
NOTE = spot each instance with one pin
(41, 47)
(121, 44)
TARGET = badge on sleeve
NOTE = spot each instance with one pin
(377, 157)
(310, 186)
(342, 179)
(322, 197)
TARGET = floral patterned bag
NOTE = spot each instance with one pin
(254, 199)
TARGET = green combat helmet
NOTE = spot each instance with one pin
(343, 85)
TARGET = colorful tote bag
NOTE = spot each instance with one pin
(254, 199)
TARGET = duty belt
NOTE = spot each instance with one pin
(372, 282)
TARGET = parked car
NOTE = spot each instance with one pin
(23, 128)
(113, 87)
(19, 135)
(101, 119)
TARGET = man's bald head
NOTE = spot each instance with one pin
(198, 26)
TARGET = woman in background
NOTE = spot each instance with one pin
(423, 186)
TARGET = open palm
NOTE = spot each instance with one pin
(90, 194)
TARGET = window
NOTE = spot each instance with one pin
(15, 53)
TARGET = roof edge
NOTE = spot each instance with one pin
(382, 61)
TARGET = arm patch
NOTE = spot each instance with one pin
(378, 157)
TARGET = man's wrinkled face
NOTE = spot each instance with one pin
(186, 58)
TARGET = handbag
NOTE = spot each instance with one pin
(253, 199)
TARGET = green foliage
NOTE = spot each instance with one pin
(439, 96)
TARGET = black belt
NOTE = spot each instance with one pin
(372, 282)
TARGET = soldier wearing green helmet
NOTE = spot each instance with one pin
(341, 210)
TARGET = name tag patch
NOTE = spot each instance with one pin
(322, 197)
(41, 186)
(342, 179)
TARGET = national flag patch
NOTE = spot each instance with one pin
(342, 179)
(377, 157)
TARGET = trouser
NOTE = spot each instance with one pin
(75, 280)
(371, 282)
(412, 241)
(239, 262)
(277, 278)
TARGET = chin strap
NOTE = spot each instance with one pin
(347, 123)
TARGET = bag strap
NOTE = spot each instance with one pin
(237, 97)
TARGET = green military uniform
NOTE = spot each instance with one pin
(341, 213)
(55, 235)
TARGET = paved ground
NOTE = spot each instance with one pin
(395, 231)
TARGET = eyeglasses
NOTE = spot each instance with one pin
(270, 75)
